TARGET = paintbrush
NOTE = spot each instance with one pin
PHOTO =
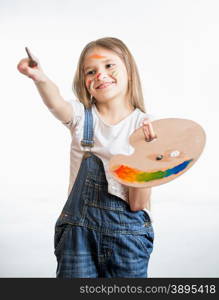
(32, 62)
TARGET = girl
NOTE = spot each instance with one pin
(104, 229)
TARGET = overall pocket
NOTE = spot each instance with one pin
(59, 237)
(145, 241)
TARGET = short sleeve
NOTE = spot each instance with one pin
(150, 117)
(77, 113)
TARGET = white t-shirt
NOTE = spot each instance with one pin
(108, 139)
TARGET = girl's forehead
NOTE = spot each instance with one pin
(98, 54)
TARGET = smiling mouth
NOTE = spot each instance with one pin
(104, 85)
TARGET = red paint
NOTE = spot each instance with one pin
(88, 83)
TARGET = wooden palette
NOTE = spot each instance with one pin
(178, 145)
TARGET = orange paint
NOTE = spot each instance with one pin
(97, 56)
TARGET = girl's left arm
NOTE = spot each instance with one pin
(139, 198)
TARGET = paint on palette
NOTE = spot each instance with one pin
(134, 175)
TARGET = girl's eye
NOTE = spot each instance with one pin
(109, 65)
(91, 72)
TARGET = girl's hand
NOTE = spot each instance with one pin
(36, 73)
(148, 130)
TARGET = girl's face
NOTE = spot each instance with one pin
(105, 74)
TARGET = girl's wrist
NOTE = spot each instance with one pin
(42, 80)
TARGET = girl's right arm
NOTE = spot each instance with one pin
(48, 91)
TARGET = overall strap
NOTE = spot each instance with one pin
(87, 140)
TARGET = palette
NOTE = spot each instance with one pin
(178, 146)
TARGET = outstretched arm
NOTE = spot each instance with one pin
(47, 89)
(50, 94)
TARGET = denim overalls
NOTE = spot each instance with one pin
(96, 234)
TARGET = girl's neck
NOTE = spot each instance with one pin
(114, 111)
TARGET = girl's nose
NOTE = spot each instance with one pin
(101, 76)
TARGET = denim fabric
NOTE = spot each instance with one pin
(96, 234)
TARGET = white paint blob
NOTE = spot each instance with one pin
(174, 153)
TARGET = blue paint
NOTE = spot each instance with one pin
(178, 168)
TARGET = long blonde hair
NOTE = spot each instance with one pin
(134, 91)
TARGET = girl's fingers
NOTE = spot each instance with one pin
(148, 131)
(23, 65)
(151, 130)
(24, 68)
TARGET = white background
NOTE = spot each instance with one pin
(175, 44)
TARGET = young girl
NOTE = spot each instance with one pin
(104, 229)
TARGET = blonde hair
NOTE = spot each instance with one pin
(134, 90)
